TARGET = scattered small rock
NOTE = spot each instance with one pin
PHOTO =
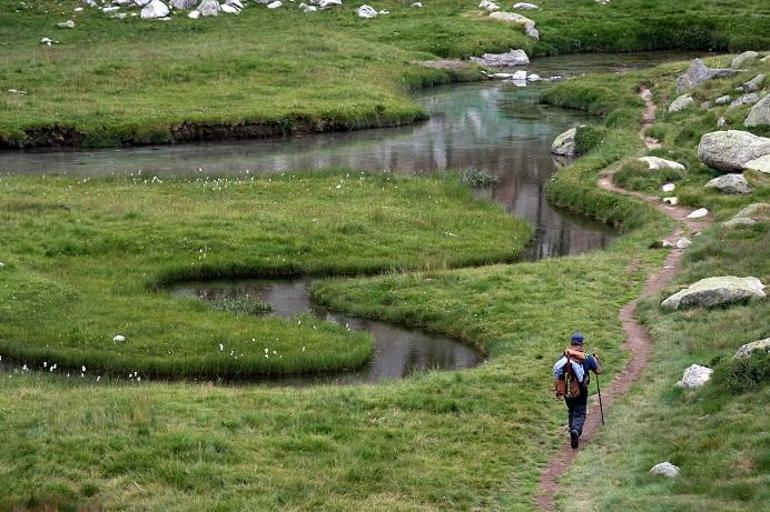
(655, 163)
(119, 338)
(366, 11)
(488, 5)
(665, 469)
(698, 214)
(509, 59)
(275, 5)
(682, 102)
(307, 8)
(525, 6)
(716, 291)
(723, 100)
(194, 14)
(417, 5)
(326, 4)
(534, 77)
(755, 346)
(683, 243)
(208, 8)
(745, 99)
(695, 376)
(755, 83)
(668, 187)
(744, 58)
(673, 201)
(722, 122)
(48, 41)
(66, 24)
(730, 184)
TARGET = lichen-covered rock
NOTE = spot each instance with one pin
(755, 83)
(654, 163)
(730, 184)
(665, 469)
(716, 291)
(749, 215)
(731, 150)
(509, 59)
(745, 99)
(744, 58)
(682, 102)
(755, 346)
(760, 113)
(698, 73)
(695, 376)
(564, 143)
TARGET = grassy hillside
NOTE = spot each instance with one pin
(273, 72)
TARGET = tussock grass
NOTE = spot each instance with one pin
(93, 259)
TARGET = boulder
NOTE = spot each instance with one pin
(665, 469)
(533, 77)
(745, 99)
(326, 4)
(142, 3)
(512, 17)
(153, 10)
(695, 376)
(208, 8)
(750, 215)
(184, 5)
(698, 214)
(532, 33)
(759, 114)
(307, 8)
(744, 58)
(488, 5)
(509, 59)
(654, 163)
(275, 5)
(761, 164)
(229, 9)
(366, 11)
(755, 346)
(194, 14)
(698, 73)
(716, 291)
(564, 144)
(730, 184)
(66, 24)
(731, 150)
(524, 6)
(755, 83)
(682, 102)
(668, 187)
(682, 243)
(723, 100)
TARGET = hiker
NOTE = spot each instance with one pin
(571, 378)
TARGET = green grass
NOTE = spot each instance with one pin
(87, 259)
(717, 435)
(265, 73)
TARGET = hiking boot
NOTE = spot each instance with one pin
(574, 439)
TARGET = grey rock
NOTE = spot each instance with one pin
(509, 59)
(716, 291)
(194, 14)
(759, 115)
(417, 5)
(722, 122)
(66, 24)
(749, 215)
(230, 9)
(307, 8)
(366, 12)
(730, 184)
(731, 150)
(275, 4)
(683, 243)
(184, 5)
(142, 3)
(153, 10)
(761, 164)
(564, 144)
(327, 4)
(665, 469)
(488, 5)
(755, 346)
(668, 187)
(755, 83)
(695, 376)
(682, 102)
(745, 99)
(525, 6)
(655, 163)
(673, 200)
(744, 58)
(698, 214)
(723, 100)
(208, 8)
(698, 73)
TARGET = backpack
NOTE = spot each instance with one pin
(568, 384)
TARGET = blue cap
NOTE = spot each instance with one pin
(577, 338)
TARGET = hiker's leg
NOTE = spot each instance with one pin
(571, 410)
(578, 411)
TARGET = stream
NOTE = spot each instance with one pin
(492, 125)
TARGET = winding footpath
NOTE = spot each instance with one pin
(638, 341)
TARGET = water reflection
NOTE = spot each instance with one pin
(398, 352)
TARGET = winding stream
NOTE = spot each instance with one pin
(492, 125)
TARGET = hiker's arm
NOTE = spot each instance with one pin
(597, 365)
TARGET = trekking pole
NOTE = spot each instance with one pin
(599, 390)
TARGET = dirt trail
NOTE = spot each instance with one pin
(638, 341)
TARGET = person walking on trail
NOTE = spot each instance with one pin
(571, 378)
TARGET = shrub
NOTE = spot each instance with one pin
(587, 138)
(636, 176)
(744, 374)
(479, 178)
